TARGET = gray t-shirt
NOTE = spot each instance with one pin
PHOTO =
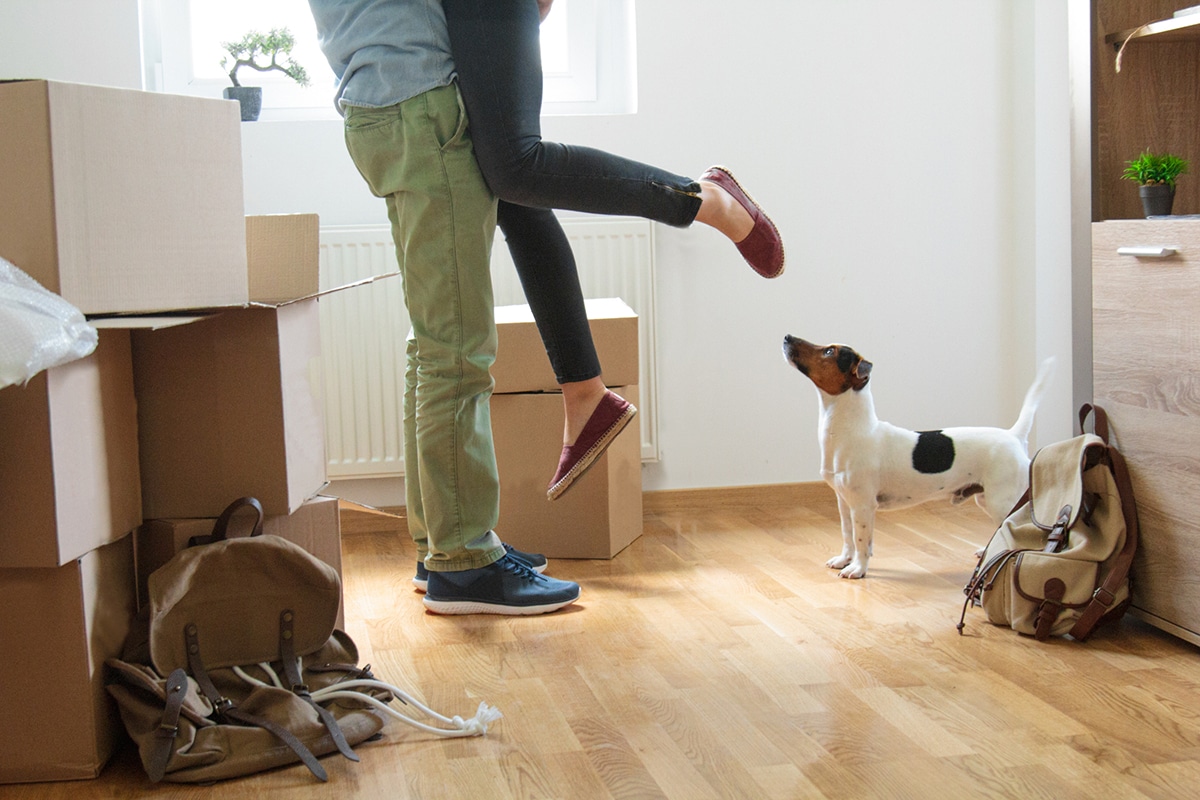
(383, 52)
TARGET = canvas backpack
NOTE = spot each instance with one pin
(236, 666)
(1060, 562)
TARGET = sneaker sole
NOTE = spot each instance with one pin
(458, 607)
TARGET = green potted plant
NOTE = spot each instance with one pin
(265, 52)
(1155, 175)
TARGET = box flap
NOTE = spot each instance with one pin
(148, 322)
(324, 292)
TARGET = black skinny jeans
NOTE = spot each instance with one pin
(496, 49)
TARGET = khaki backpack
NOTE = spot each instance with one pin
(236, 666)
(1059, 564)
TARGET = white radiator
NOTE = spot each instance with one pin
(363, 331)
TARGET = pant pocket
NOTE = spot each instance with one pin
(373, 140)
(449, 117)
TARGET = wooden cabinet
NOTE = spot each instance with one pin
(1146, 375)
(1145, 342)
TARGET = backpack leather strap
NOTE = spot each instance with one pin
(164, 738)
(226, 709)
(291, 671)
(1106, 593)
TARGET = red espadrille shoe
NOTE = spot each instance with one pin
(763, 247)
(610, 418)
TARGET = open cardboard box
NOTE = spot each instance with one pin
(122, 200)
(231, 404)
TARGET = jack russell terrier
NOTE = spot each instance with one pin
(873, 465)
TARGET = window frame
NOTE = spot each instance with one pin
(600, 78)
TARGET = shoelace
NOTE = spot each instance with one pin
(519, 568)
(525, 557)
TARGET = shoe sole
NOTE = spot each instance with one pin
(591, 456)
(767, 217)
(459, 607)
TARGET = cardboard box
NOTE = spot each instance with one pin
(69, 458)
(521, 362)
(316, 527)
(283, 257)
(58, 625)
(121, 200)
(230, 406)
(598, 517)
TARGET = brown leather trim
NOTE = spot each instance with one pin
(1035, 598)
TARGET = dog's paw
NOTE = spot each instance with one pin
(837, 562)
(854, 570)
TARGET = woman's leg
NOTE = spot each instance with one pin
(496, 51)
(546, 268)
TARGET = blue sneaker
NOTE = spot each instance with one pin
(535, 560)
(509, 586)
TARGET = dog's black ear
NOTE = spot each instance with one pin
(861, 374)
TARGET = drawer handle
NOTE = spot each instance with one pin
(1151, 251)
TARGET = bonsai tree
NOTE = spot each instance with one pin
(263, 52)
(1149, 169)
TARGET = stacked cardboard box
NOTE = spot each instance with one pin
(122, 201)
(129, 203)
(602, 513)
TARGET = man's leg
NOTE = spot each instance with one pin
(418, 155)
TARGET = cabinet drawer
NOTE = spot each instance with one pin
(1146, 375)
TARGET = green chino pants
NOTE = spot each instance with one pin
(417, 155)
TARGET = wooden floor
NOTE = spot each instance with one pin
(717, 657)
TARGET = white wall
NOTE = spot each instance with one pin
(914, 156)
(84, 41)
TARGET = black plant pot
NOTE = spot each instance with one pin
(1157, 199)
(250, 99)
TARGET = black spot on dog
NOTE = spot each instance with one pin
(934, 452)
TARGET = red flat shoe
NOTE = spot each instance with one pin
(763, 247)
(609, 419)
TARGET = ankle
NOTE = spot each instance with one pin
(580, 400)
(720, 210)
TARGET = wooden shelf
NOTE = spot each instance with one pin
(1175, 29)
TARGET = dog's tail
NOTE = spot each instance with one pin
(1032, 398)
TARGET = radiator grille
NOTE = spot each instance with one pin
(363, 331)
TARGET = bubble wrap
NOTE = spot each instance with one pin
(38, 329)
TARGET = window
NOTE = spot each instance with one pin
(587, 54)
